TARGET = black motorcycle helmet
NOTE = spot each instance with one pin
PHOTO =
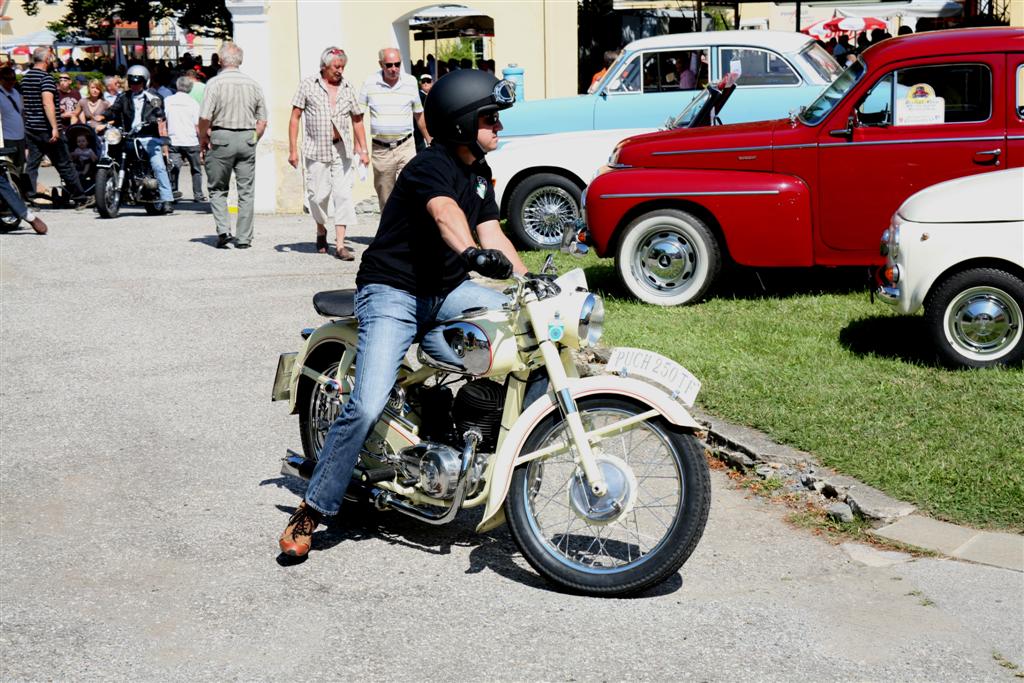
(458, 99)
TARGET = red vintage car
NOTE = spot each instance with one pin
(817, 188)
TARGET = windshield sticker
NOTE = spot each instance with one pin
(920, 107)
(736, 67)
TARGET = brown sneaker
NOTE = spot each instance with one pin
(38, 225)
(298, 535)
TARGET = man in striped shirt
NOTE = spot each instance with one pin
(392, 99)
(42, 133)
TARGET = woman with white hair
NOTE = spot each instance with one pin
(333, 136)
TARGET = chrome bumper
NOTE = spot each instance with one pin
(283, 377)
(890, 295)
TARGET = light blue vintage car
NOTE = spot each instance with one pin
(655, 78)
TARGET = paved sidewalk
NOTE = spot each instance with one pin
(898, 521)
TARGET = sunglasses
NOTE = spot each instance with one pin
(392, 65)
(492, 119)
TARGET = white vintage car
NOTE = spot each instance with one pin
(957, 248)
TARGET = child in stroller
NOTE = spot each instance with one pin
(85, 152)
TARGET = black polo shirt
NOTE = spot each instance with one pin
(408, 252)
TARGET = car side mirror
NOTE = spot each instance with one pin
(847, 132)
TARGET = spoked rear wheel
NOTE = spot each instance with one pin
(318, 410)
(635, 536)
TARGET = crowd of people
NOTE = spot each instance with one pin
(215, 122)
(844, 50)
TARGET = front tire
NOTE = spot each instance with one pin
(108, 194)
(976, 318)
(668, 257)
(540, 207)
(657, 506)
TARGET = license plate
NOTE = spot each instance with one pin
(654, 367)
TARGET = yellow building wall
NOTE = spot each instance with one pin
(1017, 13)
(21, 24)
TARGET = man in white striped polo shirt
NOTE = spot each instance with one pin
(392, 99)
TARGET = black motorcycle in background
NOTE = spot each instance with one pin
(125, 176)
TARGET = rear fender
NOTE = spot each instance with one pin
(505, 459)
(765, 218)
(344, 332)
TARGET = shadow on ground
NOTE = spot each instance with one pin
(493, 550)
(736, 282)
(900, 337)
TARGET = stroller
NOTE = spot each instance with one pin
(86, 167)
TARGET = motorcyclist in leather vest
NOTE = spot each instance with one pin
(141, 112)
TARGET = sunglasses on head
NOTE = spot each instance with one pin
(392, 65)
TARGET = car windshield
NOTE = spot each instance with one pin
(690, 110)
(623, 56)
(821, 62)
(831, 96)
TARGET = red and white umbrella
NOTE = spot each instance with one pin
(854, 24)
(818, 30)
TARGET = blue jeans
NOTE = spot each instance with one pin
(390, 320)
(11, 198)
(154, 148)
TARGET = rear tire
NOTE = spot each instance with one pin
(156, 208)
(108, 195)
(665, 488)
(539, 208)
(976, 318)
(668, 257)
(316, 410)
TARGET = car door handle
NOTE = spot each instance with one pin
(993, 153)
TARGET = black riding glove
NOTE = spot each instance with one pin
(488, 262)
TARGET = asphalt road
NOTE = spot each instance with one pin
(141, 502)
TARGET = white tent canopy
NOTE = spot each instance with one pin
(914, 9)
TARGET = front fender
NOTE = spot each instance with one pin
(505, 459)
(334, 332)
(764, 218)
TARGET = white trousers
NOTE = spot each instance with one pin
(330, 183)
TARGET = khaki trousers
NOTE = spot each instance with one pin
(387, 164)
(327, 183)
(232, 151)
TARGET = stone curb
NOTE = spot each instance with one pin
(748, 448)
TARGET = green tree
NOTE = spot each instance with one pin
(92, 18)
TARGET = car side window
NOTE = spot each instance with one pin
(674, 70)
(1020, 91)
(756, 67)
(929, 95)
(628, 78)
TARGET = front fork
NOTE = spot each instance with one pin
(570, 414)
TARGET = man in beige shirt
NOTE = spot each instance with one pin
(233, 119)
(332, 119)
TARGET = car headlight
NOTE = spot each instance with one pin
(890, 246)
(112, 136)
(591, 320)
(614, 158)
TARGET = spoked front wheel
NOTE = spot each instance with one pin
(640, 532)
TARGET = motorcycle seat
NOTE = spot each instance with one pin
(338, 303)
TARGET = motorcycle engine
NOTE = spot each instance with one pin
(478, 406)
(434, 466)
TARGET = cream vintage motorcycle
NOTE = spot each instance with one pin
(601, 479)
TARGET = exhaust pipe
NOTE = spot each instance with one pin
(384, 500)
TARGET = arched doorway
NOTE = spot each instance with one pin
(421, 31)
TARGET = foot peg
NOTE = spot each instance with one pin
(378, 474)
(295, 465)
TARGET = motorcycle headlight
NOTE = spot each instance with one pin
(591, 320)
(112, 136)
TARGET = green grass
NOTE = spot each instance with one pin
(812, 363)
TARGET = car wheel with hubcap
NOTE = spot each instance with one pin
(668, 257)
(976, 318)
(539, 209)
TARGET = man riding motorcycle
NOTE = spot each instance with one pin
(415, 273)
(141, 112)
